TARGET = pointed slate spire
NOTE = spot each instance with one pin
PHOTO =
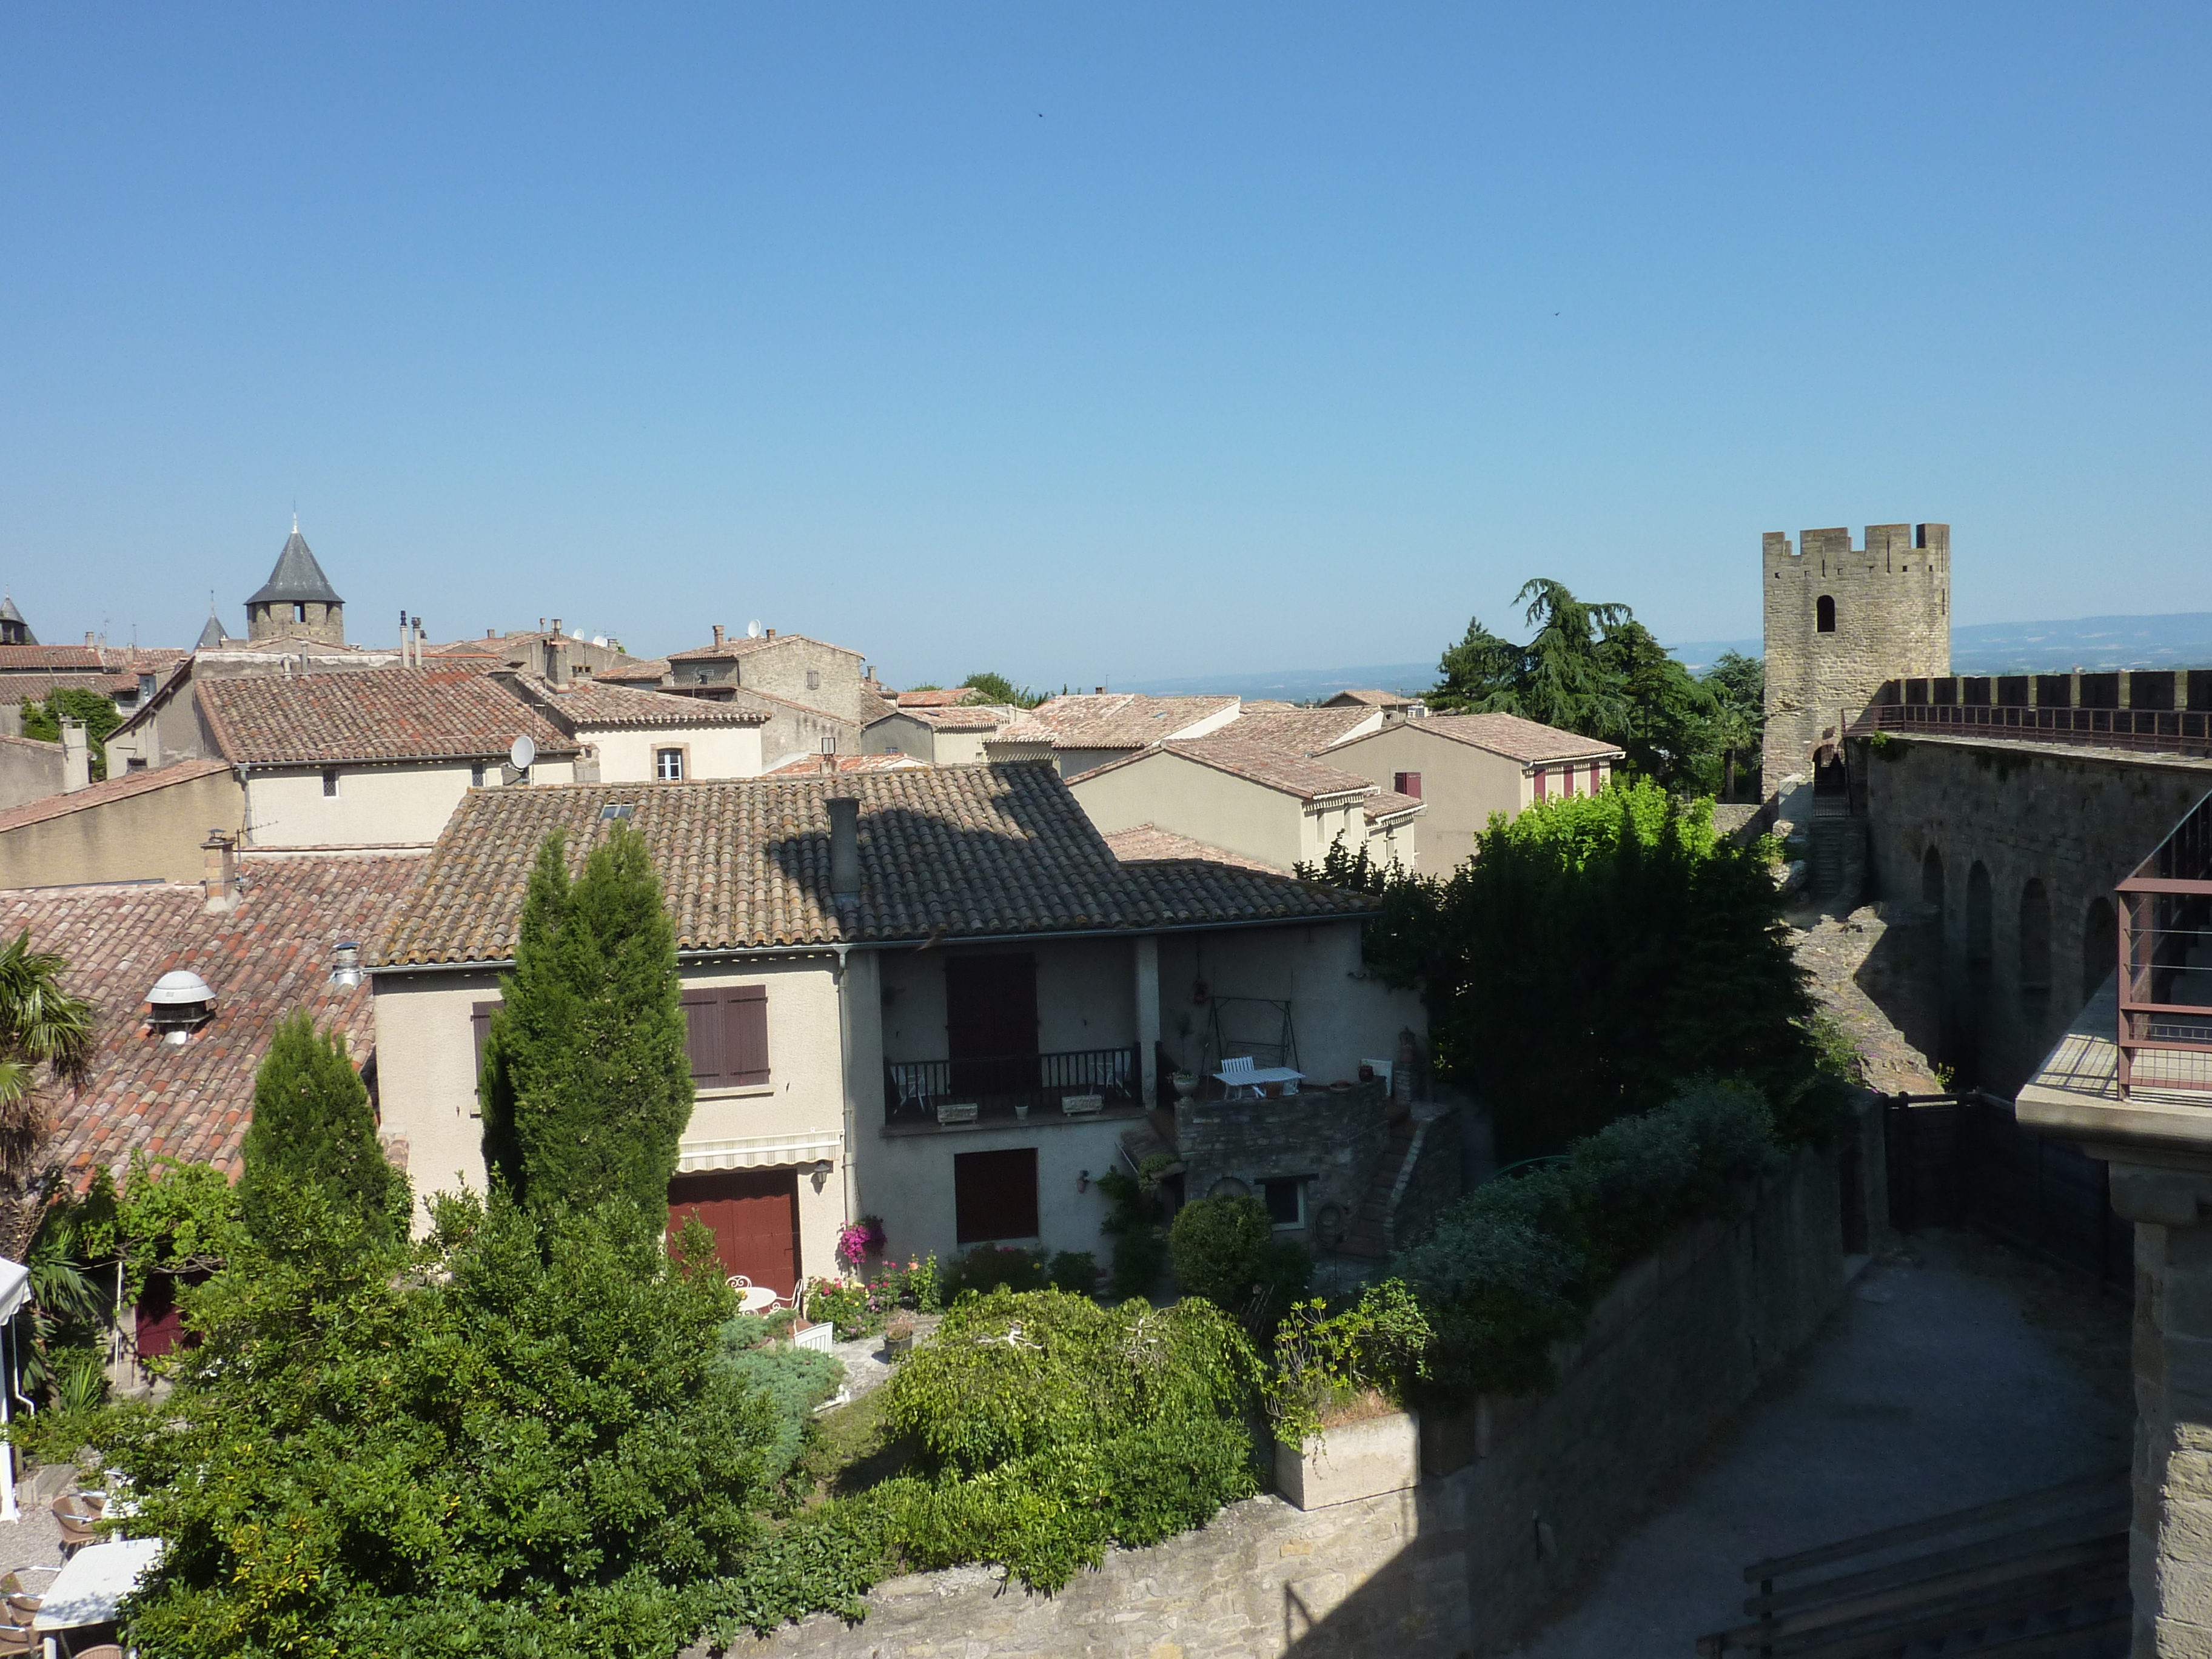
(211, 636)
(297, 577)
(14, 630)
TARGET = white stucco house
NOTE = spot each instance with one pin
(633, 736)
(932, 994)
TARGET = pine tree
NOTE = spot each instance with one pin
(313, 1127)
(586, 1082)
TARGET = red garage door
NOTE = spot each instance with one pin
(754, 1216)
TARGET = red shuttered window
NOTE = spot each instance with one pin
(1540, 783)
(1406, 783)
(725, 1035)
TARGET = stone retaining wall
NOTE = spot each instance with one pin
(1520, 1499)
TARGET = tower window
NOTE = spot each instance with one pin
(813, 679)
(1824, 614)
(299, 613)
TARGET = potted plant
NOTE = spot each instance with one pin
(898, 1335)
(1186, 1086)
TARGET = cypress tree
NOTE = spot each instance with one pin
(586, 1083)
(313, 1127)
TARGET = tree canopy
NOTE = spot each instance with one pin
(989, 687)
(311, 1124)
(43, 720)
(586, 1086)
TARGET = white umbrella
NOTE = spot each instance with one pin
(15, 1293)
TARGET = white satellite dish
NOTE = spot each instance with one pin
(752, 630)
(521, 753)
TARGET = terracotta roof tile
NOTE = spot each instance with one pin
(806, 764)
(1113, 719)
(119, 789)
(395, 714)
(596, 703)
(1388, 803)
(51, 657)
(1301, 731)
(742, 645)
(651, 671)
(1510, 735)
(941, 697)
(1147, 844)
(1258, 763)
(955, 852)
(269, 955)
(971, 717)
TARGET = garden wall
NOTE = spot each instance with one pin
(1331, 1139)
(1469, 1561)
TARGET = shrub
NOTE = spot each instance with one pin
(843, 1305)
(313, 1122)
(1075, 1271)
(1136, 1222)
(794, 1381)
(989, 1267)
(1218, 1245)
(1380, 1344)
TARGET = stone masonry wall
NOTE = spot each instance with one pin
(1892, 617)
(1333, 1139)
(2073, 819)
(1467, 1561)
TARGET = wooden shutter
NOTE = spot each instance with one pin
(703, 1036)
(1407, 783)
(1595, 785)
(994, 1194)
(480, 1015)
(745, 1034)
(1540, 783)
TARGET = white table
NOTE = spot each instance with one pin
(92, 1585)
(1257, 1076)
(756, 1299)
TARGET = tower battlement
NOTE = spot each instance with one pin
(1840, 620)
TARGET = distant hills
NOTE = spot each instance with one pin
(2181, 640)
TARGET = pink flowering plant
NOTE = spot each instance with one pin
(857, 1240)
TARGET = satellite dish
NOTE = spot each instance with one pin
(752, 630)
(521, 753)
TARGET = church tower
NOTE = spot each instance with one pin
(297, 601)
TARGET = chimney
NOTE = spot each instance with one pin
(1101, 690)
(557, 625)
(844, 849)
(90, 638)
(718, 633)
(220, 871)
(770, 633)
(76, 758)
(557, 663)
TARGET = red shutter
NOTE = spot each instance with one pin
(702, 1037)
(745, 1032)
(1595, 785)
(480, 1015)
(994, 1195)
(1540, 783)
(1407, 783)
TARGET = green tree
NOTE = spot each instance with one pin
(312, 1123)
(47, 1035)
(1668, 733)
(101, 716)
(586, 1084)
(997, 688)
(1738, 684)
(511, 1437)
(1561, 677)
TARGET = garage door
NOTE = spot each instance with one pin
(754, 1216)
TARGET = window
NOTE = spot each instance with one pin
(813, 679)
(668, 765)
(1286, 1198)
(726, 1033)
(476, 775)
(1597, 778)
(299, 613)
(329, 779)
(1406, 783)
(480, 1015)
(1540, 783)
(994, 1195)
(1824, 614)
(134, 764)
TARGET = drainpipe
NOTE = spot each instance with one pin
(850, 1180)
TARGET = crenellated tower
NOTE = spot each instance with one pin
(1839, 622)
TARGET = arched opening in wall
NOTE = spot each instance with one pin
(1981, 954)
(2101, 945)
(1824, 614)
(2034, 944)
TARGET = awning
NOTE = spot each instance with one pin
(15, 1288)
(764, 1152)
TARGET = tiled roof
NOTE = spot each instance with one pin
(594, 703)
(270, 954)
(972, 717)
(650, 671)
(1374, 699)
(1258, 763)
(1113, 719)
(394, 714)
(1388, 803)
(296, 576)
(941, 697)
(1301, 731)
(951, 852)
(51, 657)
(806, 764)
(1147, 844)
(39, 687)
(741, 645)
(1514, 738)
(120, 788)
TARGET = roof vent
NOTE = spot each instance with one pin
(178, 1004)
(345, 965)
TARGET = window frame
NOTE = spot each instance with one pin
(681, 751)
(730, 1037)
(1267, 1186)
(331, 783)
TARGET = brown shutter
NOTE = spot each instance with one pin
(994, 1195)
(1407, 783)
(702, 1037)
(745, 1034)
(480, 1015)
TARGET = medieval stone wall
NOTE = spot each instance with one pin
(1891, 612)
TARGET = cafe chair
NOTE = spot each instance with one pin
(77, 1515)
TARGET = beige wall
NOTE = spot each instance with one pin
(426, 1065)
(1087, 998)
(710, 751)
(29, 770)
(1213, 806)
(900, 734)
(1341, 1013)
(155, 836)
(397, 805)
(1399, 843)
(907, 1179)
(1461, 786)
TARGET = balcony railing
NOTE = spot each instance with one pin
(2166, 962)
(2167, 731)
(1003, 1088)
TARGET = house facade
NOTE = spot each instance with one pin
(934, 995)
(1078, 733)
(1463, 768)
(949, 734)
(631, 736)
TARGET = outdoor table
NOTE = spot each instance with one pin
(91, 1585)
(755, 1298)
(1257, 1076)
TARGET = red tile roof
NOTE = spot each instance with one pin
(392, 715)
(269, 955)
(599, 704)
(1375, 699)
(1388, 803)
(1526, 741)
(1256, 761)
(945, 852)
(970, 717)
(742, 645)
(1147, 844)
(1112, 720)
(51, 657)
(1300, 731)
(650, 671)
(39, 687)
(806, 764)
(118, 788)
(939, 698)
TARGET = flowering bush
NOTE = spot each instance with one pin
(857, 1240)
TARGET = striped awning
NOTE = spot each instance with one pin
(763, 1153)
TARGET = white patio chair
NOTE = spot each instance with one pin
(1109, 1073)
(913, 1084)
(1237, 1074)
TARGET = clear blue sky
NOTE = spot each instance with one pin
(1088, 342)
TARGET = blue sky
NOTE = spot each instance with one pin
(1093, 342)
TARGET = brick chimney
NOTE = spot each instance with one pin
(76, 758)
(718, 633)
(218, 872)
(769, 634)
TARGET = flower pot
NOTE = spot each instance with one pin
(1186, 1086)
(1022, 1111)
(1351, 1461)
(898, 1347)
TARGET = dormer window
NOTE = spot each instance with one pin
(178, 1004)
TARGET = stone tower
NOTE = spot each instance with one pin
(297, 600)
(1839, 622)
(14, 630)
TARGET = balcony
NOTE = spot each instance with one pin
(2164, 1025)
(1011, 1088)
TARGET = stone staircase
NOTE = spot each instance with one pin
(1836, 858)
